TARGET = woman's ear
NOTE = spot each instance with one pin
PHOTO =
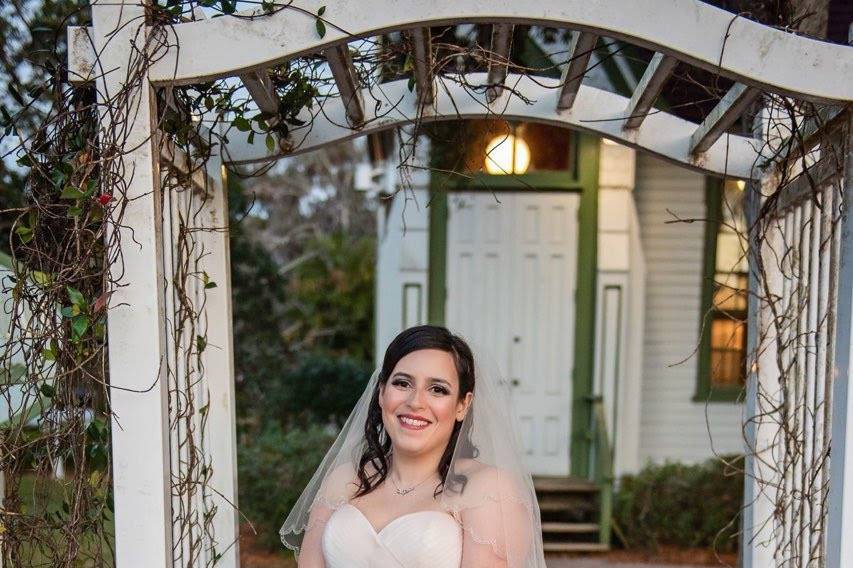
(381, 393)
(463, 406)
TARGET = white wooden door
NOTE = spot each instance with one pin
(511, 273)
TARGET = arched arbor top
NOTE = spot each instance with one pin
(758, 57)
(594, 110)
(689, 30)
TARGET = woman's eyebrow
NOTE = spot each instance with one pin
(439, 380)
(404, 375)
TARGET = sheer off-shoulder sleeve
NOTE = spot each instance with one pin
(488, 487)
(498, 523)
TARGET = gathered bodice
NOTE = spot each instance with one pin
(424, 539)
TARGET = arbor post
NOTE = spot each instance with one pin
(137, 341)
(839, 545)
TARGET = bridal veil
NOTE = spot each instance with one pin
(488, 489)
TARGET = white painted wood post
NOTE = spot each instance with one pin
(218, 360)
(839, 544)
(137, 342)
(757, 520)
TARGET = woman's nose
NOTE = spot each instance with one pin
(416, 398)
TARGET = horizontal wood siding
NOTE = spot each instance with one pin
(672, 426)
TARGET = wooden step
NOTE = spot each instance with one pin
(563, 485)
(550, 503)
(575, 547)
(573, 528)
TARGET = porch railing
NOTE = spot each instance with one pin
(602, 469)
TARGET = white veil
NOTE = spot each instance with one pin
(488, 489)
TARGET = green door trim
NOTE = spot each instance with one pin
(581, 434)
(587, 264)
(437, 264)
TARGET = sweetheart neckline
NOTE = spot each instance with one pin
(395, 519)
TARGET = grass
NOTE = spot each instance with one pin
(44, 497)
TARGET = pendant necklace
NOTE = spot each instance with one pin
(407, 490)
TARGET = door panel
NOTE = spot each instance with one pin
(512, 263)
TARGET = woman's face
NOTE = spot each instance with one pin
(420, 402)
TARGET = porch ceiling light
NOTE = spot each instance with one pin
(507, 154)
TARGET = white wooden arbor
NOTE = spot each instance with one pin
(759, 58)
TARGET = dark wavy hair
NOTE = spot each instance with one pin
(377, 446)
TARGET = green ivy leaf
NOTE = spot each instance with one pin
(47, 390)
(200, 342)
(270, 141)
(71, 192)
(242, 124)
(76, 296)
(25, 233)
(91, 186)
(321, 11)
(79, 325)
(321, 27)
(43, 279)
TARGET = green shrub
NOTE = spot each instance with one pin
(688, 506)
(322, 389)
(274, 468)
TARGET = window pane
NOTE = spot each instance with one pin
(550, 147)
(730, 292)
(731, 242)
(729, 302)
(728, 350)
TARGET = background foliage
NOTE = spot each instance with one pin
(303, 257)
(690, 506)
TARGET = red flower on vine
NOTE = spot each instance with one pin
(105, 198)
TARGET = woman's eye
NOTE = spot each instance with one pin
(400, 383)
(441, 390)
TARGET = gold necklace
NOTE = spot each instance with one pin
(407, 490)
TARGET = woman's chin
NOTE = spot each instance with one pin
(410, 442)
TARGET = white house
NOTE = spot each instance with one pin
(579, 278)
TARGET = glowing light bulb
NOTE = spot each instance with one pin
(507, 154)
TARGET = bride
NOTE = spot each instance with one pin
(425, 473)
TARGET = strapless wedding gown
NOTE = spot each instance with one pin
(425, 539)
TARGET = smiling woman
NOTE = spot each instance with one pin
(429, 456)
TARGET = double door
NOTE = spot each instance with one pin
(511, 277)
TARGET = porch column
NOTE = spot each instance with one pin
(620, 295)
(138, 391)
(839, 544)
